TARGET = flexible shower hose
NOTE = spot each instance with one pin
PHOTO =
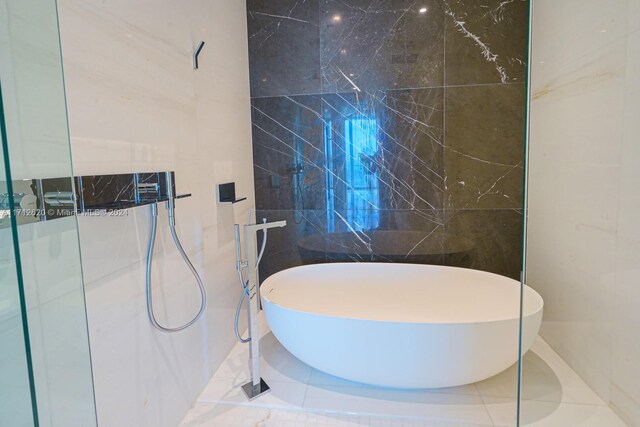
(245, 290)
(152, 240)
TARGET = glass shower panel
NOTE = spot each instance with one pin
(16, 386)
(38, 150)
(583, 234)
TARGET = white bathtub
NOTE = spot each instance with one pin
(400, 325)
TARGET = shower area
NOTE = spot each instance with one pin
(494, 139)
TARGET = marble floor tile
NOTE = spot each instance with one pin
(319, 378)
(550, 414)
(227, 391)
(399, 403)
(205, 415)
(546, 377)
(555, 396)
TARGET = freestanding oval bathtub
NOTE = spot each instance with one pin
(400, 325)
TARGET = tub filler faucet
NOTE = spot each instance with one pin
(251, 288)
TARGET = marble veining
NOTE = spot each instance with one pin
(284, 47)
(119, 191)
(484, 49)
(378, 123)
(485, 41)
(484, 146)
(367, 45)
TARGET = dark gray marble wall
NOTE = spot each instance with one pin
(384, 132)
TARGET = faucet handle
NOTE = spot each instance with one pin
(265, 225)
(147, 190)
(60, 198)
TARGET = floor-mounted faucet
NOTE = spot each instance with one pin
(251, 288)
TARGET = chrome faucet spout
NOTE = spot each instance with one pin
(265, 225)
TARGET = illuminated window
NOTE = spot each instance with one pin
(358, 178)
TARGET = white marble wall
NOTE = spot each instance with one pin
(584, 200)
(32, 88)
(136, 104)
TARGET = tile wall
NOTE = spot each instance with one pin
(390, 130)
(137, 105)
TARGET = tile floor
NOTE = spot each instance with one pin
(302, 396)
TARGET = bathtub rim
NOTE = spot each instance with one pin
(539, 301)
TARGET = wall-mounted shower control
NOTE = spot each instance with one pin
(147, 191)
(60, 198)
(52, 198)
(21, 200)
(38, 199)
(227, 193)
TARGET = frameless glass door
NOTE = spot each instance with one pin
(17, 396)
(583, 234)
(55, 373)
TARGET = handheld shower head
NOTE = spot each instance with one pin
(171, 201)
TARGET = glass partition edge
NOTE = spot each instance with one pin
(525, 206)
(16, 250)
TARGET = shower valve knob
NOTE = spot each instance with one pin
(60, 198)
(29, 202)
